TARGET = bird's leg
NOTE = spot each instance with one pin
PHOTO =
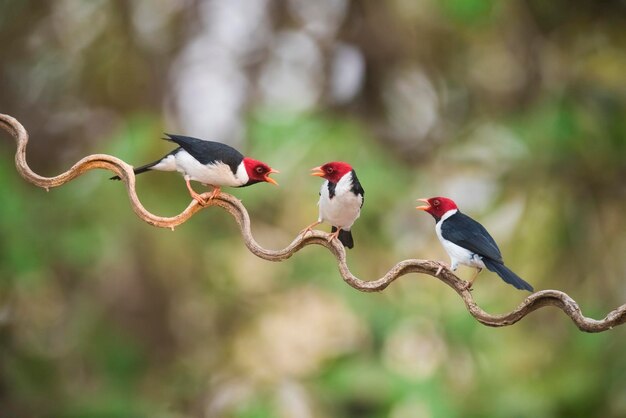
(215, 193)
(193, 193)
(310, 227)
(471, 282)
(334, 235)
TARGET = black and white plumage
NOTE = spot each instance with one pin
(210, 163)
(341, 199)
(467, 242)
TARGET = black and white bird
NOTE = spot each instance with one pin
(210, 163)
(467, 242)
(341, 199)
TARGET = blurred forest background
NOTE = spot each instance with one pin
(515, 109)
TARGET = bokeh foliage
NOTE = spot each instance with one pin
(515, 109)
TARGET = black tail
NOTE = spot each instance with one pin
(345, 237)
(507, 275)
(140, 170)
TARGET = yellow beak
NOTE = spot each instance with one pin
(269, 179)
(317, 171)
(424, 208)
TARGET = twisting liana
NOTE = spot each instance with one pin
(233, 206)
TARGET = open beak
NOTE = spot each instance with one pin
(424, 208)
(317, 171)
(269, 179)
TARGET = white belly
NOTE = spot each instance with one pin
(458, 255)
(343, 209)
(218, 174)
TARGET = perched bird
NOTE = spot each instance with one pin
(211, 163)
(341, 199)
(468, 242)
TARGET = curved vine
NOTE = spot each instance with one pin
(233, 206)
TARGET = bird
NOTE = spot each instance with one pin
(341, 200)
(467, 242)
(210, 163)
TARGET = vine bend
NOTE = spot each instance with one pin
(233, 206)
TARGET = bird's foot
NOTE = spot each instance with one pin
(467, 286)
(442, 266)
(309, 228)
(333, 235)
(215, 193)
(198, 198)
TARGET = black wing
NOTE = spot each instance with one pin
(357, 189)
(465, 232)
(207, 152)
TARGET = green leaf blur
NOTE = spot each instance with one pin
(514, 109)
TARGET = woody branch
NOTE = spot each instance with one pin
(233, 206)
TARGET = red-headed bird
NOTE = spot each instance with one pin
(210, 163)
(467, 242)
(341, 199)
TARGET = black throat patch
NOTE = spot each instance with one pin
(331, 189)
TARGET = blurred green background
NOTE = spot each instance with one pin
(515, 109)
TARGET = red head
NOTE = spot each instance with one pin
(258, 171)
(437, 206)
(333, 171)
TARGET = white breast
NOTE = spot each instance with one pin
(458, 255)
(344, 208)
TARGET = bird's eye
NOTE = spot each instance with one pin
(260, 170)
(435, 203)
(329, 170)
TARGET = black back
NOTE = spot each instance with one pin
(465, 232)
(207, 152)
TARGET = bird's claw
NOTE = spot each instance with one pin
(309, 228)
(334, 235)
(442, 266)
(198, 198)
(215, 193)
(467, 286)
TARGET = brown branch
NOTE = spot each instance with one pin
(237, 210)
